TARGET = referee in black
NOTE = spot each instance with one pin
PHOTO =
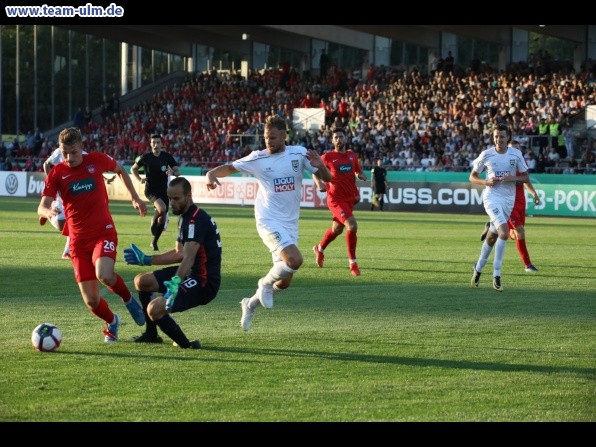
(158, 165)
(378, 183)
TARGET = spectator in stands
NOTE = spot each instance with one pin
(30, 165)
(454, 110)
(553, 156)
(16, 166)
(323, 64)
(78, 119)
(569, 142)
(8, 164)
(449, 63)
(30, 143)
(531, 161)
(114, 103)
(543, 131)
(105, 110)
(87, 116)
(588, 159)
(39, 139)
(436, 64)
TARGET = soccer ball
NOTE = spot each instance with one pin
(46, 337)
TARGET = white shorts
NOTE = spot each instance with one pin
(497, 214)
(60, 216)
(277, 236)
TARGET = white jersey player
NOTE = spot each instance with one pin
(504, 166)
(279, 172)
(59, 219)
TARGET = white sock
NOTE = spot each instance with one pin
(280, 270)
(253, 302)
(484, 254)
(499, 255)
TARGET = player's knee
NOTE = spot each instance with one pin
(137, 282)
(156, 309)
(339, 229)
(294, 262)
(283, 284)
(106, 280)
(142, 283)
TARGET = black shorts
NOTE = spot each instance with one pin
(380, 189)
(153, 196)
(190, 294)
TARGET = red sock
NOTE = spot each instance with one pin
(523, 251)
(103, 311)
(351, 239)
(327, 239)
(120, 289)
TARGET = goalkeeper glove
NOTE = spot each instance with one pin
(172, 291)
(134, 256)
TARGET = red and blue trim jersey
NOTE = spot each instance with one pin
(83, 193)
(344, 166)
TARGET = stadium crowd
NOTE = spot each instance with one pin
(411, 121)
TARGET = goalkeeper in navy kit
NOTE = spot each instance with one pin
(194, 282)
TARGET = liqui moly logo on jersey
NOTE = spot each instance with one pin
(284, 184)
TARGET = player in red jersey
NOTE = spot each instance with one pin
(93, 238)
(516, 224)
(342, 195)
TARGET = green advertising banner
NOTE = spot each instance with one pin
(458, 197)
(575, 200)
(563, 200)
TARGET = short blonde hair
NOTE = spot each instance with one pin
(70, 136)
(276, 122)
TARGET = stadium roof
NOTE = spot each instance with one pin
(177, 39)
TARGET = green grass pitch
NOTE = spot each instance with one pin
(407, 341)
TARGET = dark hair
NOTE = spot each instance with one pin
(70, 136)
(181, 181)
(156, 135)
(502, 127)
(338, 130)
(276, 122)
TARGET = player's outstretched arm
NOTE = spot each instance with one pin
(317, 162)
(218, 172)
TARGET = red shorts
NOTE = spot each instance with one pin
(341, 211)
(518, 216)
(84, 252)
